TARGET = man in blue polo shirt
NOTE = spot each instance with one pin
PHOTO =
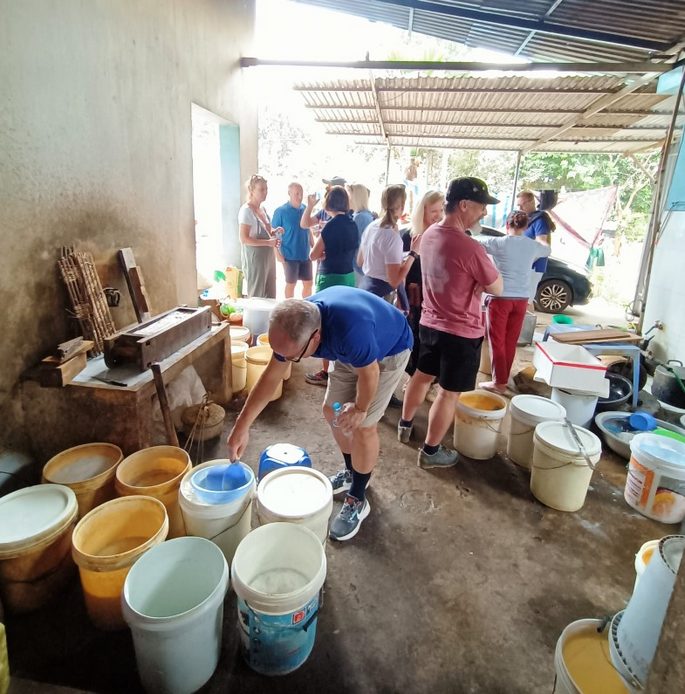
(540, 228)
(295, 243)
(370, 341)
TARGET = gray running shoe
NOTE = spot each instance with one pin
(404, 433)
(346, 524)
(341, 481)
(443, 457)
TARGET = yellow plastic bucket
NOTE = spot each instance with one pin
(157, 472)
(106, 543)
(257, 360)
(238, 365)
(263, 341)
(88, 470)
(477, 423)
(36, 524)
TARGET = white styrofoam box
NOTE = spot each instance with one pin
(570, 367)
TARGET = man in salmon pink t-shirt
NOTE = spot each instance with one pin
(455, 270)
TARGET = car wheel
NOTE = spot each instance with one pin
(553, 296)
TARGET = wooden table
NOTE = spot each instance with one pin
(90, 410)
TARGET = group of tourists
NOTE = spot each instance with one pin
(389, 300)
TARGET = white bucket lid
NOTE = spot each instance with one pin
(660, 451)
(533, 409)
(30, 515)
(296, 492)
(557, 436)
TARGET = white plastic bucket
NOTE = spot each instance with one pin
(560, 475)
(257, 360)
(477, 423)
(239, 365)
(298, 495)
(527, 411)
(173, 601)
(655, 485)
(580, 408)
(240, 333)
(256, 314)
(485, 366)
(278, 571)
(36, 525)
(640, 626)
(643, 557)
(582, 663)
(224, 524)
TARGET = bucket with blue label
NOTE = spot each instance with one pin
(278, 574)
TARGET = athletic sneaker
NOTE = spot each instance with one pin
(341, 481)
(404, 433)
(346, 524)
(320, 378)
(443, 457)
(394, 401)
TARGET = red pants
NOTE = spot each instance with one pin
(504, 321)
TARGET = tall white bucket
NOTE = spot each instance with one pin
(173, 601)
(640, 626)
(278, 571)
(239, 365)
(298, 495)
(580, 408)
(560, 475)
(527, 411)
(224, 524)
(582, 663)
(477, 423)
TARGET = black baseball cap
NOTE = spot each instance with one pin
(469, 188)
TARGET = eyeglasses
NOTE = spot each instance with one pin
(306, 347)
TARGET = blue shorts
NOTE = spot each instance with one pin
(297, 270)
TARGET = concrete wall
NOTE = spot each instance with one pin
(95, 145)
(666, 295)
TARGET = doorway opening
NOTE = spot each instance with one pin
(216, 193)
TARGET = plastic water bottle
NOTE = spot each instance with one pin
(337, 411)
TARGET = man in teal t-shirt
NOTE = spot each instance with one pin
(295, 243)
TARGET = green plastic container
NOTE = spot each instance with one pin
(669, 434)
(562, 319)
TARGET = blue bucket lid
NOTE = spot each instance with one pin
(285, 453)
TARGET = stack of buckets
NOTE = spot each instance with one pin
(590, 658)
(540, 439)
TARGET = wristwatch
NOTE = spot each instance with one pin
(414, 255)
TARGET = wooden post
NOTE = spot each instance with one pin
(164, 403)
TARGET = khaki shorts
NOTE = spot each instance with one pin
(342, 385)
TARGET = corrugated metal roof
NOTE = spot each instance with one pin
(510, 112)
(659, 22)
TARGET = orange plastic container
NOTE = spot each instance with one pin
(156, 471)
(106, 543)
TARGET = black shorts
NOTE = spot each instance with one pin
(452, 359)
(297, 270)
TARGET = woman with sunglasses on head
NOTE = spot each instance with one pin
(334, 249)
(381, 253)
(258, 241)
(428, 211)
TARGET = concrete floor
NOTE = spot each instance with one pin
(459, 580)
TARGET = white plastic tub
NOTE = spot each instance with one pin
(560, 475)
(655, 485)
(527, 411)
(477, 423)
(224, 524)
(173, 600)
(580, 407)
(297, 495)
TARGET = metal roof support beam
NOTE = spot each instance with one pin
(486, 138)
(634, 67)
(538, 25)
(532, 33)
(485, 109)
(378, 109)
(597, 106)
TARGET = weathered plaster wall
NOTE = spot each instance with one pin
(95, 151)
